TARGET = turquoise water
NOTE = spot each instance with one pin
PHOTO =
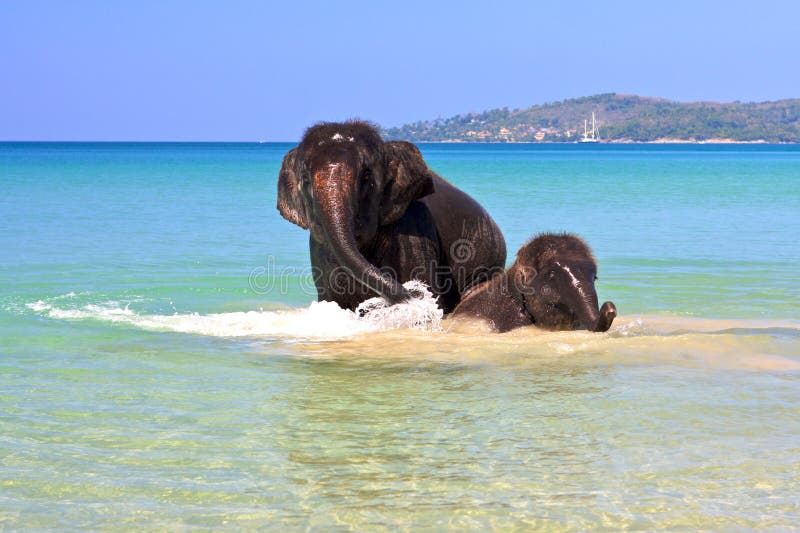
(162, 367)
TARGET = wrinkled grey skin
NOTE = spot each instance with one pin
(378, 217)
(550, 285)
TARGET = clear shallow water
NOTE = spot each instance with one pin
(161, 368)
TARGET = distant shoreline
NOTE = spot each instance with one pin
(615, 141)
(617, 118)
(691, 141)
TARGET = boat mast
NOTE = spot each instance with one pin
(589, 136)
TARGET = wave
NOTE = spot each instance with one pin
(321, 320)
(416, 330)
(644, 340)
(328, 320)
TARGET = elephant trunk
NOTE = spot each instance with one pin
(334, 188)
(588, 314)
(607, 314)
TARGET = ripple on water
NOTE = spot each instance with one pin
(661, 422)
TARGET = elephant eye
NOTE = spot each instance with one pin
(551, 275)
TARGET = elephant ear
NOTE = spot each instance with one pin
(522, 277)
(290, 202)
(407, 179)
(525, 275)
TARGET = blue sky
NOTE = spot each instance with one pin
(240, 70)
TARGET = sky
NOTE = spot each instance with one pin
(175, 70)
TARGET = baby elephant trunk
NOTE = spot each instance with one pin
(590, 317)
(607, 314)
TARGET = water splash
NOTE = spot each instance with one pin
(320, 320)
(421, 312)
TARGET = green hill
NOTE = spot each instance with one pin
(620, 118)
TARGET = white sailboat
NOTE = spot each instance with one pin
(590, 136)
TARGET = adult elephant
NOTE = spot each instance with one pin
(378, 217)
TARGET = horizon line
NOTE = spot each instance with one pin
(711, 141)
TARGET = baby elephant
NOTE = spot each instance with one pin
(551, 285)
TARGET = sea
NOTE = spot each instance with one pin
(165, 366)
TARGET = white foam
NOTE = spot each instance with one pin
(39, 306)
(320, 320)
(417, 313)
(108, 310)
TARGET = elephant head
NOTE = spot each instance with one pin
(342, 182)
(553, 279)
